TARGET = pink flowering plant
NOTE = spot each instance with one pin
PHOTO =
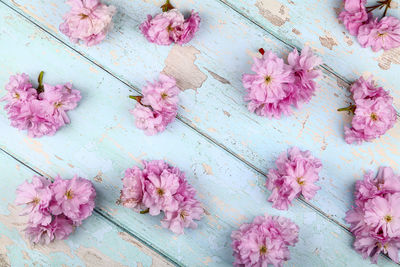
(170, 26)
(88, 21)
(158, 106)
(162, 188)
(373, 112)
(377, 33)
(375, 218)
(295, 174)
(276, 86)
(264, 241)
(42, 110)
(54, 209)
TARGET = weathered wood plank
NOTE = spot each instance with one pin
(97, 242)
(216, 109)
(315, 23)
(102, 142)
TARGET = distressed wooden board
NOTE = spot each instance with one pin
(97, 242)
(315, 23)
(220, 54)
(102, 142)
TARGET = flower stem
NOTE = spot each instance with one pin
(386, 8)
(40, 80)
(138, 98)
(351, 108)
(167, 6)
(144, 211)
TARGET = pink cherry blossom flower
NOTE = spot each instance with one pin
(170, 26)
(183, 217)
(264, 241)
(74, 198)
(159, 192)
(161, 95)
(277, 86)
(133, 189)
(375, 220)
(383, 213)
(20, 90)
(304, 66)
(36, 197)
(152, 122)
(354, 16)
(296, 173)
(88, 20)
(61, 98)
(366, 88)
(158, 188)
(380, 34)
(60, 228)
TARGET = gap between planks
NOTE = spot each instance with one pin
(186, 122)
(103, 215)
(182, 119)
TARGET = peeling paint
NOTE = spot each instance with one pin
(328, 41)
(273, 11)
(389, 57)
(207, 169)
(180, 65)
(217, 77)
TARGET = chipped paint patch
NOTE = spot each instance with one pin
(98, 177)
(93, 257)
(180, 65)
(273, 11)
(328, 41)
(207, 169)
(217, 77)
(388, 58)
(296, 31)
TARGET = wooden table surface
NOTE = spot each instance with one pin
(224, 149)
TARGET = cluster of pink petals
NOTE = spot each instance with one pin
(264, 241)
(160, 187)
(54, 209)
(374, 113)
(39, 114)
(375, 33)
(295, 174)
(170, 27)
(158, 106)
(276, 86)
(88, 20)
(375, 219)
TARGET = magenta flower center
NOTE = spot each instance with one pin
(388, 218)
(160, 192)
(164, 96)
(83, 16)
(36, 200)
(57, 104)
(17, 96)
(382, 34)
(69, 194)
(170, 29)
(263, 250)
(268, 79)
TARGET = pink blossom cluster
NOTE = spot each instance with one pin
(54, 209)
(371, 32)
(158, 106)
(373, 110)
(160, 187)
(264, 241)
(375, 219)
(39, 111)
(170, 26)
(295, 174)
(88, 20)
(276, 86)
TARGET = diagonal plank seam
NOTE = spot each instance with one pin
(103, 215)
(180, 118)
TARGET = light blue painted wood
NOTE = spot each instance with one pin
(225, 42)
(102, 142)
(96, 242)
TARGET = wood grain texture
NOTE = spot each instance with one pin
(102, 142)
(97, 242)
(222, 50)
